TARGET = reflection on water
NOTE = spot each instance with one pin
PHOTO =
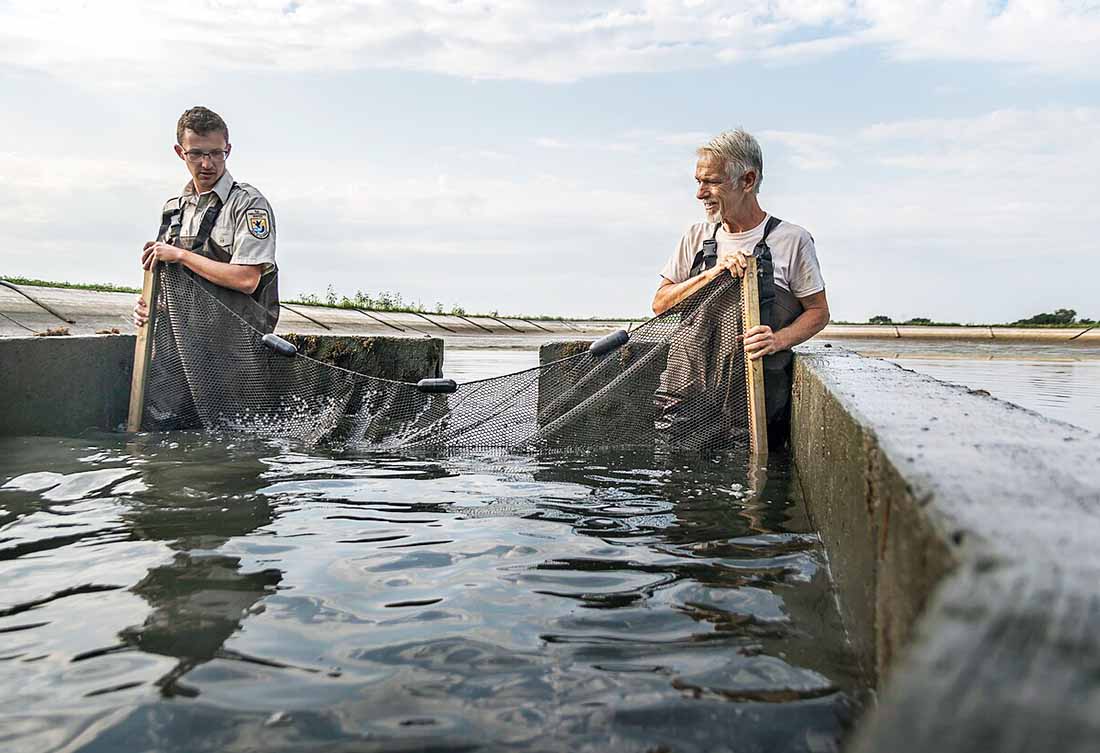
(1059, 380)
(189, 593)
(1068, 391)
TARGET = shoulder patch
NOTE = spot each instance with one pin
(259, 223)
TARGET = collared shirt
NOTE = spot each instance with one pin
(243, 234)
(245, 230)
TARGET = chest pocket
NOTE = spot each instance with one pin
(223, 237)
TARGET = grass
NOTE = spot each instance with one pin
(102, 288)
(386, 301)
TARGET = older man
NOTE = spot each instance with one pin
(729, 172)
(221, 230)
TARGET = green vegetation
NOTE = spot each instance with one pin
(70, 285)
(1059, 318)
(387, 301)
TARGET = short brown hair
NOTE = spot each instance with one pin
(202, 121)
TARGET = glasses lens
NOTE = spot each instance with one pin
(215, 155)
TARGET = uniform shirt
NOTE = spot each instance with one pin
(793, 254)
(243, 234)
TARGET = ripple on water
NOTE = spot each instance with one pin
(191, 593)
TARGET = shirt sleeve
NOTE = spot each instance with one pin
(805, 276)
(678, 266)
(254, 235)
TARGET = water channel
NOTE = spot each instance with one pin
(187, 592)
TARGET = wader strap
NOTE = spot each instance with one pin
(707, 256)
(208, 220)
(170, 225)
(765, 270)
(166, 223)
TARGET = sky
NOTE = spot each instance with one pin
(537, 157)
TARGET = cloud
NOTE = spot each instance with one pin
(112, 43)
(957, 217)
(808, 151)
(952, 217)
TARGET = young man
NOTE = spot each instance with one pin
(728, 173)
(221, 230)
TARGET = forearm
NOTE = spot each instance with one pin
(669, 295)
(809, 323)
(240, 277)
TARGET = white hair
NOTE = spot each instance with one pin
(741, 153)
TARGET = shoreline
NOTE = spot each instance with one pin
(86, 312)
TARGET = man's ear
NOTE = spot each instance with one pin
(748, 181)
(179, 151)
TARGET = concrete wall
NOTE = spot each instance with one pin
(66, 385)
(962, 534)
(63, 385)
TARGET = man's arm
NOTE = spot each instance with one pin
(240, 277)
(670, 293)
(761, 341)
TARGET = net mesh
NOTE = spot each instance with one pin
(678, 382)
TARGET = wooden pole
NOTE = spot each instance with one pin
(754, 370)
(143, 350)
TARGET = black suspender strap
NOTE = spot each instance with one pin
(170, 223)
(707, 256)
(765, 272)
(166, 222)
(208, 220)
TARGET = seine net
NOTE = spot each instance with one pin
(679, 382)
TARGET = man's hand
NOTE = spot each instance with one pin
(760, 341)
(141, 312)
(735, 261)
(161, 252)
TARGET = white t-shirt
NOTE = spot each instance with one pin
(793, 254)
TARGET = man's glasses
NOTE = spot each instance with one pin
(197, 155)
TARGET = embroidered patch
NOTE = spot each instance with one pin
(259, 224)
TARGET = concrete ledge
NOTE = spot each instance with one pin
(66, 385)
(962, 533)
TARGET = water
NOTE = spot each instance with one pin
(1059, 380)
(464, 364)
(192, 593)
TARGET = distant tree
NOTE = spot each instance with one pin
(1060, 316)
(880, 319)
(919, 320)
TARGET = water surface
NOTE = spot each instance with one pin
(192, 593)
(1059, 380)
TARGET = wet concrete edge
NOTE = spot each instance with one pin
(962, 533)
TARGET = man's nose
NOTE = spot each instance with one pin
(701, 192)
